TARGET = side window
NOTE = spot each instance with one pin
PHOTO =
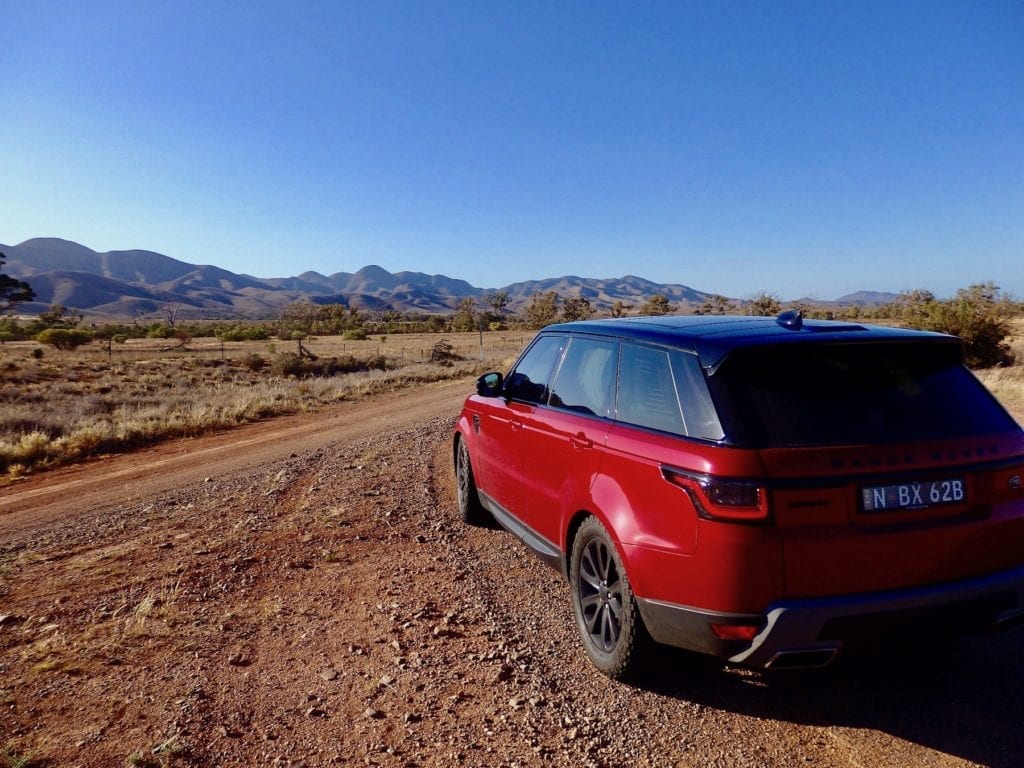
(647, 392)
(585, 381)
(665, 390)
(699, 414)
(529, 379)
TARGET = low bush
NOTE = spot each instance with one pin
(64, 338)
(254, 362)
(979, 314)
(245, 333)
(291, 364)
(443, 353)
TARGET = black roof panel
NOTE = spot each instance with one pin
(715, 336)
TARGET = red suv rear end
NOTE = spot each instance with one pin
(769, 491)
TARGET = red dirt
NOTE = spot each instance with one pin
(300, 592)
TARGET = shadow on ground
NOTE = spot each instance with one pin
(961, 697)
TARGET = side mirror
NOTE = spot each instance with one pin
(489, 385)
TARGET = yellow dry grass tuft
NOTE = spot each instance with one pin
(1007, 384)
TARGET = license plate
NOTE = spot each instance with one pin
(899, 496)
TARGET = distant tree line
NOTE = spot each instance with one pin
(980, 314)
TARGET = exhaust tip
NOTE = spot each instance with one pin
(1008, 619)
(810, 658)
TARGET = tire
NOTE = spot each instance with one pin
(607, 617)
(471, 511)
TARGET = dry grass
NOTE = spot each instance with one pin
(1007, 384)
(71, 405)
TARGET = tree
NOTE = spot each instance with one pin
(13, 292)
(298, 316)
(170, 313)
(657, 304)
(620, 308)
(542, 309)
(499, 303)
(979, 314)
(577, 308)
(764, 304)
(465, 315)
(64, 338)
(913, 307)
(57, 317)
(715, 304)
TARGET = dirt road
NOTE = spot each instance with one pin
(300, 593)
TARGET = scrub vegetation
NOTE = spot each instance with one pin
(68, 391)
(1007, 382)
(58, 406)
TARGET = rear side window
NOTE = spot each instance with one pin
(665, 389)
(848, 394)
(585, 381)
(529, 379)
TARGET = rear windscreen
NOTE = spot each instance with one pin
(832, 394)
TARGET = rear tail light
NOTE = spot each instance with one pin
(722, 498)
(736, 631)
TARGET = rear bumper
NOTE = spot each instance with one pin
(812, 632)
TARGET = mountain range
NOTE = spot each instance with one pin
(135, 283)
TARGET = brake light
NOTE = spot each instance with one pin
(722, 498)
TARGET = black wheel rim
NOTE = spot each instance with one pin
(600, 595)
(462, 477)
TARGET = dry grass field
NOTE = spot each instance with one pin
(1008, 383)
(68, 405)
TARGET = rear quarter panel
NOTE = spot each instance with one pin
(671, 553)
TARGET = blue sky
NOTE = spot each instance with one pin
(801, 148)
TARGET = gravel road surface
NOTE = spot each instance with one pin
(300, 593)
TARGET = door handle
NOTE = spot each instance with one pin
(516, 425)
(580, 441)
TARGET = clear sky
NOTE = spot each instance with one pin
(801, 148)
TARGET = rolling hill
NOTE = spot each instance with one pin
(133, 283)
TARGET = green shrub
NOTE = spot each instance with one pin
(979, 314)
(245, 333)
(354, 334)
(64, 338)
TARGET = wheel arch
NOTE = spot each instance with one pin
(575, 521)
(460, 431)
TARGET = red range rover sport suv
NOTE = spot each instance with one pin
(771, 491)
